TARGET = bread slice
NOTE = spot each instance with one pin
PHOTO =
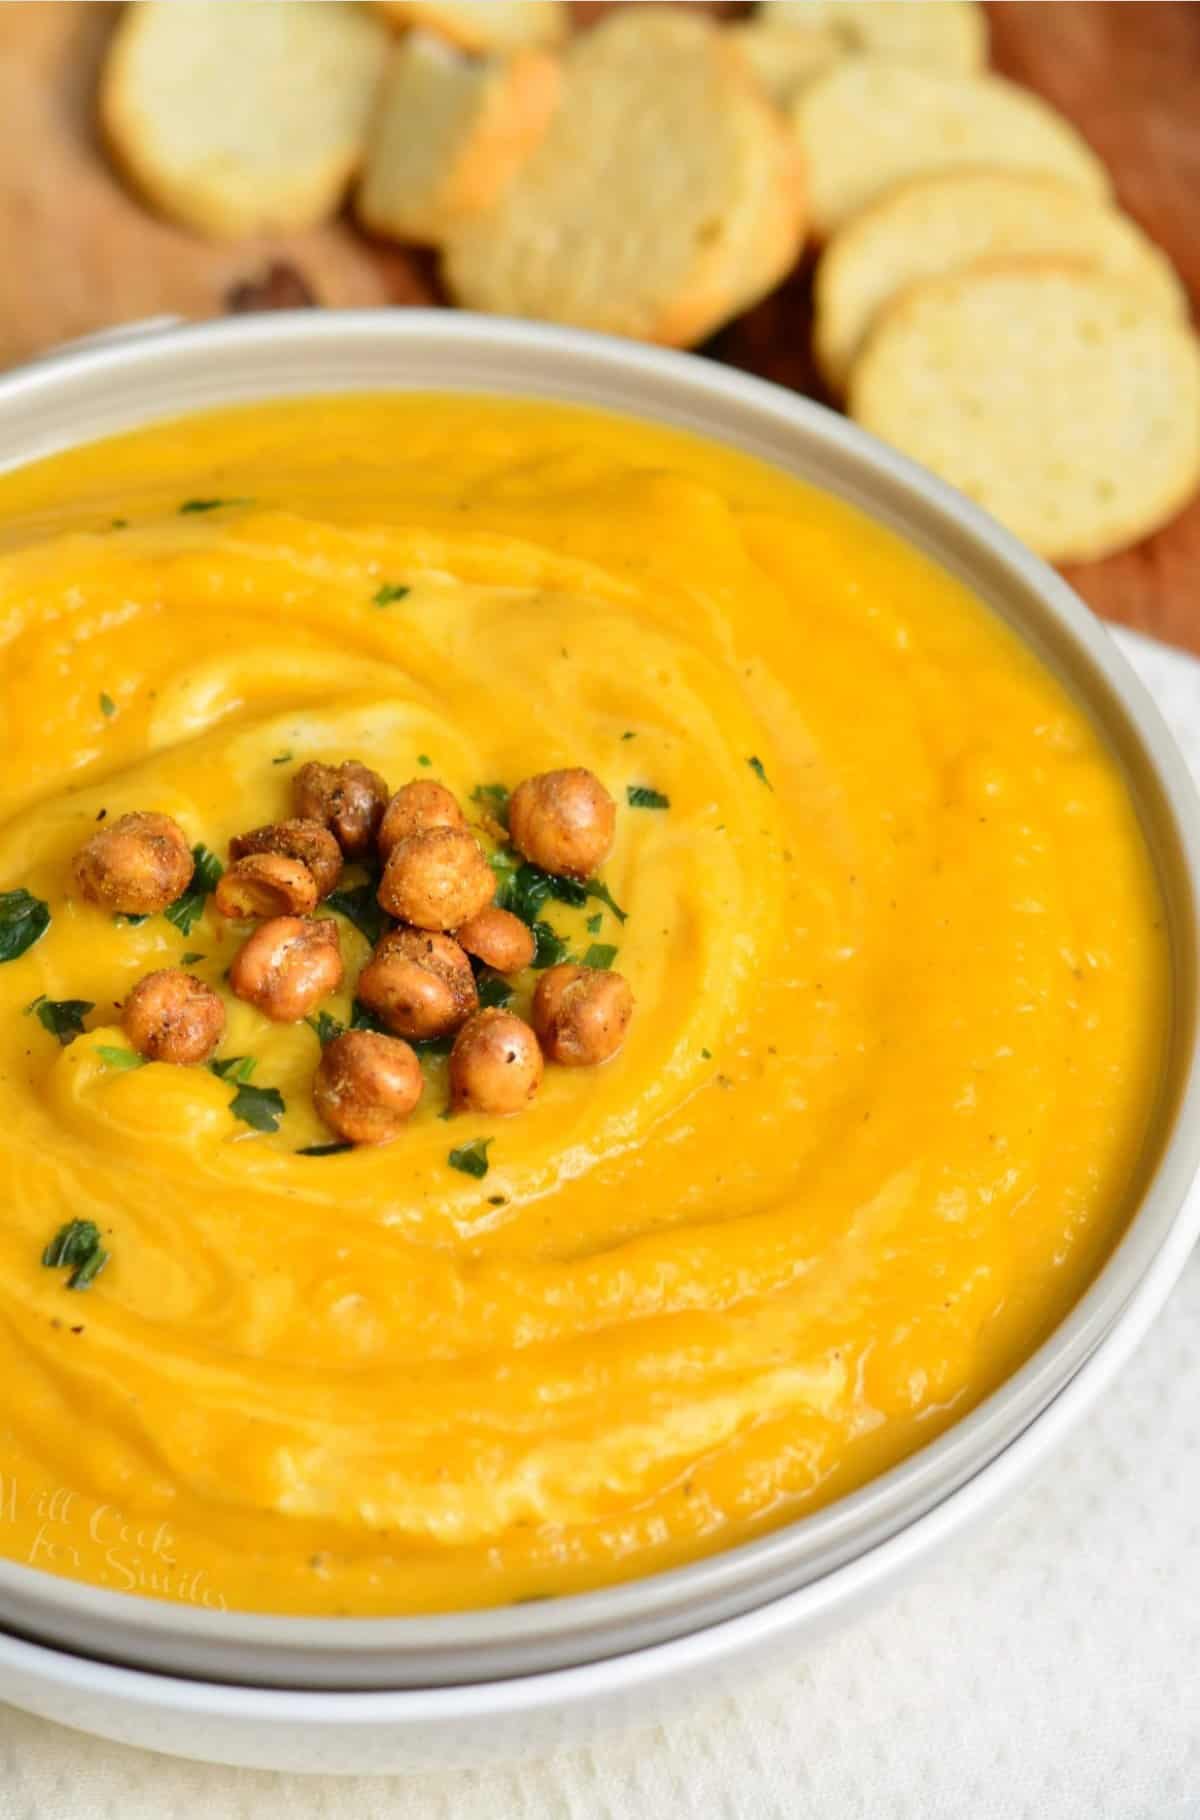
(937, 225)
(664, 198)
(449, 134)
(785, 58)
(949, 35)
(483, 25)
(240, 119)
(871, 123)
(1054, 395)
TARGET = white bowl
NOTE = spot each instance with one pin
(359, 1694)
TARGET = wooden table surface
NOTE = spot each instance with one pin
(81, 253)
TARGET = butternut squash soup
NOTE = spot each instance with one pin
(890, 934)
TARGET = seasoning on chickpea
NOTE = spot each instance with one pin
(308, 841)
(171, 1016)
(266, 884)
(581, 1014)
(366, 1086)
(563, 821)
(419, 983)
(499, 939)
(137, 866)
(424, 803)
(495, 1065)
(288, 966)
(347, 799)
(437, 879)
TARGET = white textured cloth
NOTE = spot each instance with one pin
(1049, 1671)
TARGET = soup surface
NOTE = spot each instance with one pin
(895, 943)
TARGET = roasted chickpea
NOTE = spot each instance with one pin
(495, 1064)
(581, 1014)
(563, 821)
(499, 939)
(437, 879)
(139, 865)
(422, 804)
(288, 966)
(419, 983)
(171, 1016)
(366, 1085)
(347, 799)
(308, 841)
(266, 884)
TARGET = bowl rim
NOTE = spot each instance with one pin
(44, 399)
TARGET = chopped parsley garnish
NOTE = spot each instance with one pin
(494, 799)
(523, 888)
(594, 922)
(756, 765)
(24, 919)
(641, 796)
(706, 1055)
(325, 1027)
(423, 758)
(62, 1017)
(629, 736)
(472, 1159)
(188, 908)
(362, 1019)
(118, 524)
(551, 948)
(76, 1247)
(211, 505)
(324, 1149)
(493, 991)
(261, 1107)
(187, 960)
(132, 918)
(600, 954)
(282, 758)
(119, 1058)
(428, 1045)
(596, 888)
(108, 706)
(234, 1067)
(358, 904)
(389, 592)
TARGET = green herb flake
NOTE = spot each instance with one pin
(119, 1058)
(24, 919)
(211, 505)
(629, 736)
(423, 758)
(551, 948)
(384, 596)
(363, 1019)
(360, 906)
(283, 758)
(234, 1067)
(190, 907)
(706, 1055)
(759, 770)
(76, 1247)
(324, 1149)
(108, 706)
(260, 1107)
(472, 1159)
(641, 796)
(600, 955)
(62, 1017)
(124, 916)
(429, 1045)
(524, 889)
(493, 992)
(190, 958)
(594, 922)
(596, 888)
(493, 800)
(119, 524)
(325, 1027)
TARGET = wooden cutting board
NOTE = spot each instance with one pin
(81, 253)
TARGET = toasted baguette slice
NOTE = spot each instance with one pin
(483, 25)
(664, 198)
(449, 135)
(870, 124)
(937, 225)
(948, 35)
(1054, 395)
(785, 58)
(241, 119)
